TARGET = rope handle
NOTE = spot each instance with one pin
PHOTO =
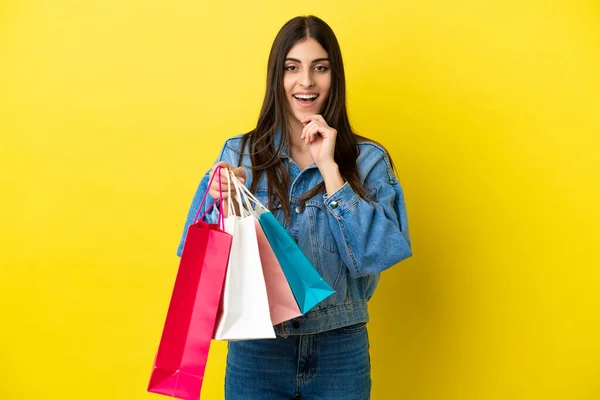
(221, 217)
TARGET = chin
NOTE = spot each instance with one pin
(301, 114)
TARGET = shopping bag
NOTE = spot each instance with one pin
(282, 303)
(183, 351)
(245, 306)
(308, 286)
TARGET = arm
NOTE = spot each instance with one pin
(371, 235)
(213, 214)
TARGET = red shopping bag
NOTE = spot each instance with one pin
(183, 351)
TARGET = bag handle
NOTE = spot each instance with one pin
(242, 200)
(230, 205)
(248, 195)
(221, 218)
(236, 198)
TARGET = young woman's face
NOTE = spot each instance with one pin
(306, 78)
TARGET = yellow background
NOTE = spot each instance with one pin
(110, 111)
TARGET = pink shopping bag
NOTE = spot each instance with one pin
(282, 303)
(183, 351)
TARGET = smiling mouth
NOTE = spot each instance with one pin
(305, 98)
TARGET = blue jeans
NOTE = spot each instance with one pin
(333, 365)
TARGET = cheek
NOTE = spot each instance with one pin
(326, 84)
(326, 93)
(287, 85)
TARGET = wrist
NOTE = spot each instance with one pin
(332, 177)
(328, 167)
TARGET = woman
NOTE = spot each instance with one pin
(337, 196)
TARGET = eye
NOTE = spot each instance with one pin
(290, 68)
(321, 68)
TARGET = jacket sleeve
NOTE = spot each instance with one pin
(371, 235)
(213, 214)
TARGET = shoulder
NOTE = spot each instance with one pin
(232, 148)
(373, 162)
(369, 148)
(233, 143)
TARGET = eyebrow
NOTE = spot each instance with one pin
(313, 61)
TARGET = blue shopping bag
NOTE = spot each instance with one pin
(307, 284)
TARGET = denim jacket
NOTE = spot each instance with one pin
(349, 240)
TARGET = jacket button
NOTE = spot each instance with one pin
(334, 204)
(296, 324)
(299, 209)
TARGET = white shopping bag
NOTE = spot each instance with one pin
(245, 310)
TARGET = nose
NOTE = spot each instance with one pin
(306, 79)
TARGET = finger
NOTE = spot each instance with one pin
(224, 173)
(219, 182)
(306, 120)
(223, 195)
(221, 164)
(307, 129)
(215, 193)
(317, 117)
(314, 136)
(228, 175)
(224, 166)
(215, 179)
(307, 134)
(314, 117)
(226, 182)
(222, 186)
(316, 132)
(240, 174)
(304, 131)
(313, 133)
(323, 131)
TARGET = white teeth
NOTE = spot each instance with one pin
(306, 96)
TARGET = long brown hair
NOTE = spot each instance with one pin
(274, 116)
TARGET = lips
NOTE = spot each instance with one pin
(305, 100)
(306, 97)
